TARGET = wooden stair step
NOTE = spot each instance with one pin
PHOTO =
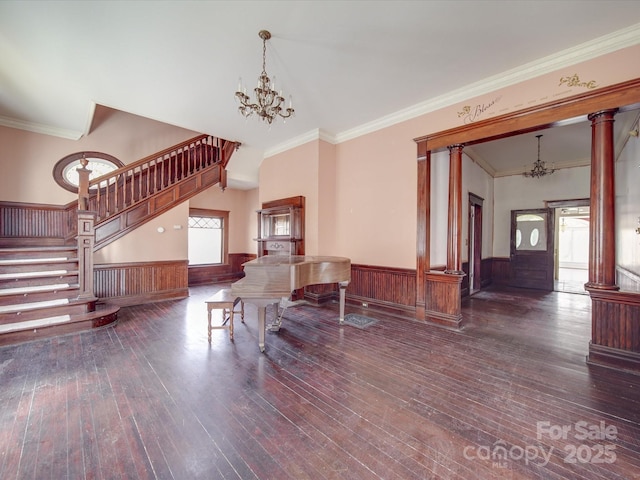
(34, 324)
(32, 289)
(18, 268)
(37, 252)
(105, 315)
(49, 278)
(21, 307)
(37, 310)
(14, 296)
(31, 260)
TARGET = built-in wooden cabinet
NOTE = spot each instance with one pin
(281, 227)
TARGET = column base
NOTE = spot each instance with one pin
(600, 286)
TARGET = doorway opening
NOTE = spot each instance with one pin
(572, 254)
(475, 243)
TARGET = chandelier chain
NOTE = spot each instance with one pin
(264, 56)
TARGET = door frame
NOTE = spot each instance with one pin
(475, 243)
(557, 205)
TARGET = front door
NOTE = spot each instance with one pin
(532, 249)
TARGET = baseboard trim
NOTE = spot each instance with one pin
(150, 297)
(614, 358)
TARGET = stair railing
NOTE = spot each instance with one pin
(127, 186)
(122, 189)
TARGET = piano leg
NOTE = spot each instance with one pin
(262, 314)
(343, 291)
(261, 304)
(277, 318)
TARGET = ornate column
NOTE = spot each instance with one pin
(443, 292)
(614, 314)
(454, 224)
(602, 248)
(423, 244)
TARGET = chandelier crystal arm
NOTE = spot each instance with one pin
(268, 103)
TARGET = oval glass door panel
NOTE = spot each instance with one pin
(531, 231)
(535, 236)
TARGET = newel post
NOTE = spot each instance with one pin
(83, 184)
(86, 239)
(86, 234)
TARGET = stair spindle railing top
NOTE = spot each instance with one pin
(90, 189)
(156, 156)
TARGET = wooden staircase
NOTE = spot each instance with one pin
(39, 295)
(46, 251)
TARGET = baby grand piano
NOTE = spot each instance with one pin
(271, 278)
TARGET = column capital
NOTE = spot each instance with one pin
(598, 115)
(456, 146)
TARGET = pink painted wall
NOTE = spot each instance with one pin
(328, 205)
(293, 173)
(376, 173)
(125, 136)
(376, 190)
(241, 205)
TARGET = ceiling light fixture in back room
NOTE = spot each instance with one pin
(539, 168)
(269, 103)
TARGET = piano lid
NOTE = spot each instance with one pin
(294, 260)
(281, 274)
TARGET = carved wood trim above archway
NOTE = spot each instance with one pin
(623, 96)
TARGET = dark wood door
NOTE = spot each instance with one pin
(532, 249)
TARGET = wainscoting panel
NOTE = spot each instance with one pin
(138, 283)
(442, 299)
(228, 272)
(501, 270)
(385, 288)
(23, 224)
(615, 339)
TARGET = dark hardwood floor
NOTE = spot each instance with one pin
(508, 397)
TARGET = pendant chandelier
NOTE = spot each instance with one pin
(539, 168)
(268, 103)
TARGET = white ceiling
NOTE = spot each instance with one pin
(351, 66)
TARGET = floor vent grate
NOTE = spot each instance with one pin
(359, 321)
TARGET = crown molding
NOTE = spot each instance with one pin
(317, 134)
(40, 128)
(600, 46)
(481, 162)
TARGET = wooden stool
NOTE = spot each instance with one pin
(225, 301)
